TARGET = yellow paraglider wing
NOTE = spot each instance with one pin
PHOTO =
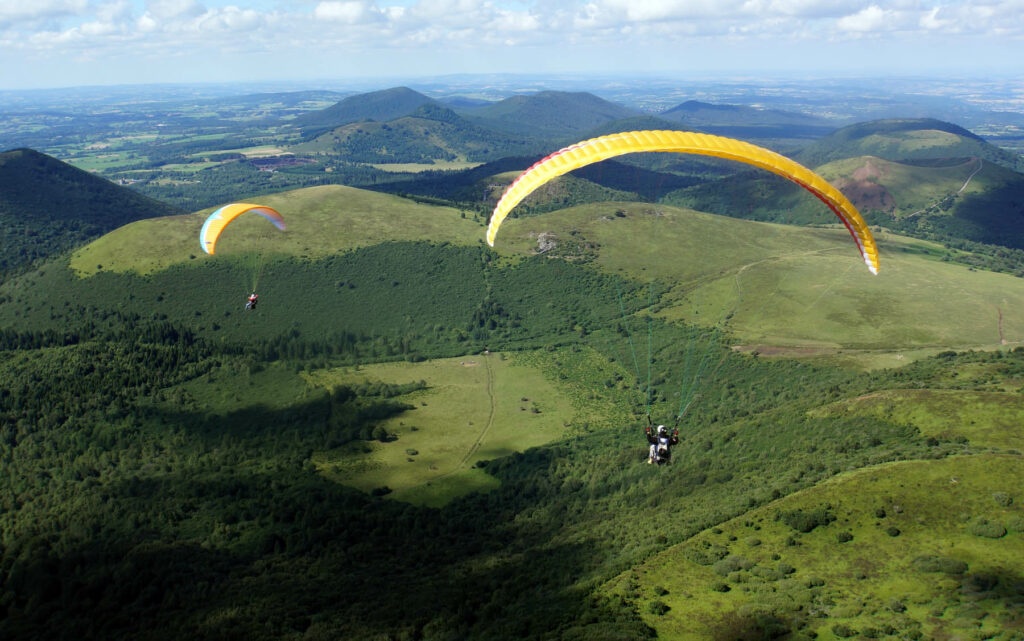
(219, 219)
(598, 149)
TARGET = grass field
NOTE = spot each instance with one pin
(437, 165)
(923, 549)
(987, 419)
(476, 408)
(790, 286)
(773, 286)
(321, 221)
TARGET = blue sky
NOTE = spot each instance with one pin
(55, 43)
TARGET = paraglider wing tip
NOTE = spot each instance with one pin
(873, 269)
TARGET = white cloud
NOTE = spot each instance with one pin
(39, 12)
(348, 12)
(473, 31)
(873, 18)
(167, 10)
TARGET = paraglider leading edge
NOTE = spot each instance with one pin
(604, 147)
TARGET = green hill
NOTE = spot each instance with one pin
(430, 133)
(379, 106)
(415, 436)
(550, 114)
(784, 285)
(744, 122)
(704, 114)
(950, 200)
(766, 284)
(906, 550)
(903, 140)
(47, 206)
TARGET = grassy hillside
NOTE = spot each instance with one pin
(430, 133)
(905, 139)
(474, 408)
(550, 114)
(919, 549)
(783, 285)
(766, 285)
(379, 106)
(958, 199)
(47, 206)
(322, 221)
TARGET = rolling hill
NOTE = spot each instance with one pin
(550, 114)
(430, 133)
(177, 467)
(914, 182)
(962, 199)
(748, 123)
(719, 267)
(48, 206)
(379, 106)
(902, 140)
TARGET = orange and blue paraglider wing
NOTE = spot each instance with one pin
(219, 219)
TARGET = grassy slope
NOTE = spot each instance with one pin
(789, 286)
(321, 221)
(871, 183)
(869, 582)
(912, 188)
(782, 285)
(733, 580)
(898, 139)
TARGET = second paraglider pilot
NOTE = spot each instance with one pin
(660, 443)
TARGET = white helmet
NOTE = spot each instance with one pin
(662, 429)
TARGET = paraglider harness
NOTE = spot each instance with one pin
(660, 442)
(250, 303)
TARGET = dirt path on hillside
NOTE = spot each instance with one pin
(968, 181)
(981, 163)
(1002, 337)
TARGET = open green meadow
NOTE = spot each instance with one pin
(474, 408)
(322, 221)
(986, 418)
(437, 165)
(923, 549)
(787, 286)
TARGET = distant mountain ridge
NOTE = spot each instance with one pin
(709, 114)
(48, 206)
(742, 121)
